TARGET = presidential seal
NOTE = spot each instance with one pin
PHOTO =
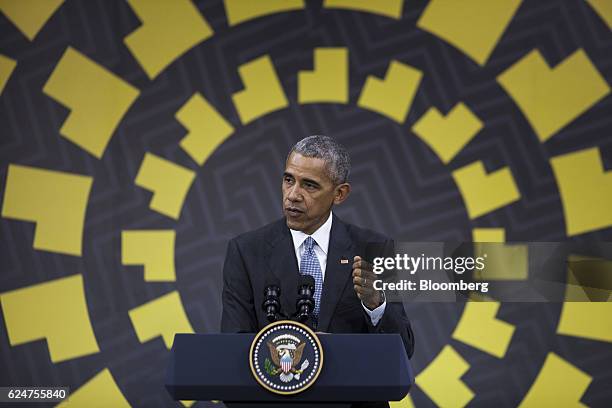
(286, 357)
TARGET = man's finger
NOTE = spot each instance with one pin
(364, 290)
(363, 264)
(361, 281)
(357, 260)
(361, 289)
(362, 273)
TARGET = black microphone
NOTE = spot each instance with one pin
(305, 302)
(271, 304)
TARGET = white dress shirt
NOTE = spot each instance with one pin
(321, 237)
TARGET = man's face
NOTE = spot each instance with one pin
(308, 193)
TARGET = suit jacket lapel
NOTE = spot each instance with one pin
(336, 273)
(283, 265)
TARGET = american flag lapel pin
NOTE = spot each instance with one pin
(343, 261)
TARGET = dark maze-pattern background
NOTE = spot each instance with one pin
(400, 187)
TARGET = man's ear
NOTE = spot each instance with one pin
(342, 192)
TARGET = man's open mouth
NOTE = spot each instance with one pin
(293, 212)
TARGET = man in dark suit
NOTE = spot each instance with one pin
(311, 240)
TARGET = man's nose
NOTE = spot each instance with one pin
(294, 193)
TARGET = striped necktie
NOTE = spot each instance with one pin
(309, 265)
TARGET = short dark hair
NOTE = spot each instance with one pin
(335, 156)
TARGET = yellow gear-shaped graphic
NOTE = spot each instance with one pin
(548, 97)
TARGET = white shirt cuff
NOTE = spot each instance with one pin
(376, 314)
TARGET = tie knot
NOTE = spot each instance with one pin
(309, 244)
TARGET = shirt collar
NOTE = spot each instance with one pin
(321, 235)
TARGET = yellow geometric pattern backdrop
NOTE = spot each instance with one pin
(103, 105)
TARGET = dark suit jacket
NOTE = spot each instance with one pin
(269, 250)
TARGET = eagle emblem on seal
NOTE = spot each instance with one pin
(286, 354)
(286, 357)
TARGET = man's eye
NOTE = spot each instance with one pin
(311, 186)
(288, 180)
